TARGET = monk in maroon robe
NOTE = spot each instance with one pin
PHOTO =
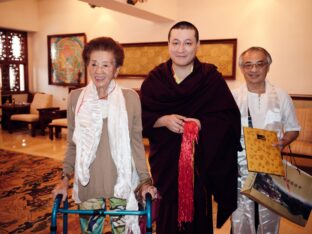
(180, 90)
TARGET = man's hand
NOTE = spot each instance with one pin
(286, 140)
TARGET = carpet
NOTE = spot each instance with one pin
(26, 183)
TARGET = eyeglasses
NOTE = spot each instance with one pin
(259, 65)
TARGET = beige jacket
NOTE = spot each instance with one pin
(103, 173)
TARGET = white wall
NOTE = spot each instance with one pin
(72, 16)
(25, 18)
(281, 26)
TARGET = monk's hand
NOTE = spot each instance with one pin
(194, 120)
(174, 123)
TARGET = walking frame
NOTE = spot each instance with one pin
(65, 211)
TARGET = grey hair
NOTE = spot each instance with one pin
(255, 48)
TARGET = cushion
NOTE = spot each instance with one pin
(302, 147)
(41, 100)
(25, 117)
(304, 116)
(303, 144)
(59, 122)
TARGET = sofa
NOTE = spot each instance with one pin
(301, 148)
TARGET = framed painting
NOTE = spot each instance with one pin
(140, 58)
(66, 67)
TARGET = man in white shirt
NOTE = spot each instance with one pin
(270, 108)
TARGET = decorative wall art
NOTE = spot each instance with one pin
(66, 67)
(140, 58)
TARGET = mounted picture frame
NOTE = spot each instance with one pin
(140, 58)
(65, 63)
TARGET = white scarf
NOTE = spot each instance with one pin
(89, 114)
(273, 106)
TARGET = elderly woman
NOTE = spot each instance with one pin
(105, 151)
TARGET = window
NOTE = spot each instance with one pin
(13, 61)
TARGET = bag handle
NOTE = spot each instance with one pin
(292, 159)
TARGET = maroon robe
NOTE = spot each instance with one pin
(203, 95)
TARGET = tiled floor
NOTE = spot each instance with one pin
(21, 141)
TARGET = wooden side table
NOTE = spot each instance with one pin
(46, 115)
(59, 121)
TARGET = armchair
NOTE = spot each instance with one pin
(40, 102)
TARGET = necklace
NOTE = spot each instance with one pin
(105, 96)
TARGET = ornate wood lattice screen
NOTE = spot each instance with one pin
(13, 61)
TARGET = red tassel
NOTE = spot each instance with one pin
(186, 173)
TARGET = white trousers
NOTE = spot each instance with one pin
(243, 218)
